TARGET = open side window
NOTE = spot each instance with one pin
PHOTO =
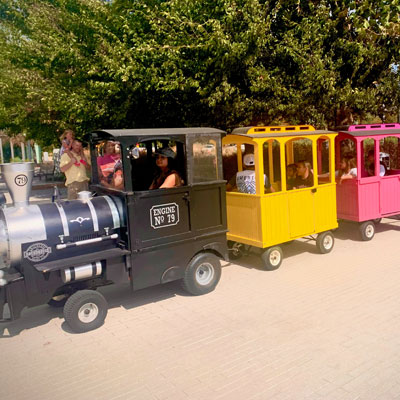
(367, 147)
(299, 155)
(323, 160)
(108, 165)
(145, 170)
(272, 166)
(240, 167)
(389, 155)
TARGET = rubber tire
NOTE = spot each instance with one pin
(363, 229)
(57, 303)
(239, 253)
(266, 258)
(190, 282)
(377, 221)
(320, 242)
(76, 301)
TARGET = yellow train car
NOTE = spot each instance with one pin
(280, 187)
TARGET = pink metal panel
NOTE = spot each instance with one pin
(347, 200)
(368, 199)
(372, 127)
(390, 194)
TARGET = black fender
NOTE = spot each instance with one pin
(218, 248)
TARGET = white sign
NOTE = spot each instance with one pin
(37, 252)
(164, 215)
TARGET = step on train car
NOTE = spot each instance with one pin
(128, 229)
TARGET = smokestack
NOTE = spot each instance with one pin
(18, 178)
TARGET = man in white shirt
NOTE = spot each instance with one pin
(245, 180)
(74, 166)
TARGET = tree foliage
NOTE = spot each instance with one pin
(121, 64)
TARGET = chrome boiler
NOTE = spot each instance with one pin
(51, 226)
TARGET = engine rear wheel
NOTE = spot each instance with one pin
(202, 274)
(367, 230)
(85, 310)
(325, 242)
(272, 258)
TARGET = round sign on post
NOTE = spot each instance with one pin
(21, 180)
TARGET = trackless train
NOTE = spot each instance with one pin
(59, 253)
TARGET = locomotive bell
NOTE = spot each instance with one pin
(18, 178)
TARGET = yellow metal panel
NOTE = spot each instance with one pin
(275, 219)
(259, 167)
(280, 129)
(244, 218)
(325, 208)
(301, 212)
(289, 152)
(270, 161)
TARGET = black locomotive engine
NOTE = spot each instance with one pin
(49, 251)
(61, 252)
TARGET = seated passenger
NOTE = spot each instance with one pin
(166, 176)
(291, 174)
(347, 169)
(305, 177)
(245, 181)
(370, 167)
(106, 163)
(116, 178)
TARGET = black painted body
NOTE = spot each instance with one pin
(147, 250)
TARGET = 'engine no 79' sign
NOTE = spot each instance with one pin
(164, 215)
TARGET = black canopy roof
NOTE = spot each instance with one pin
(151, 132)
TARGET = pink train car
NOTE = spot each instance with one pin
(375, 191)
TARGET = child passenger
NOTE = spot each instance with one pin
(66, 139)
(347, 169)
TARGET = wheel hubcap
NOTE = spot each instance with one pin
(369, 231)
(275, 257)
(88, 313)
(205, 273)
(327, 242)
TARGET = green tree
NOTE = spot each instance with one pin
(92, 63)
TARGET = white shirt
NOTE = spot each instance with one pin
(352, 173)
(246, 181)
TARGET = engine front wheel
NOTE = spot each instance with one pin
(272, 258)
(85, 310)
(325, 242)
(202, 274)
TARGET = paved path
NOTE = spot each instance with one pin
(320, 327)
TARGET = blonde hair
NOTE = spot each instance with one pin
(65, 133)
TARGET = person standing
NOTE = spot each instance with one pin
(74, 166)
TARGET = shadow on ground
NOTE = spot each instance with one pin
(116, 295)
